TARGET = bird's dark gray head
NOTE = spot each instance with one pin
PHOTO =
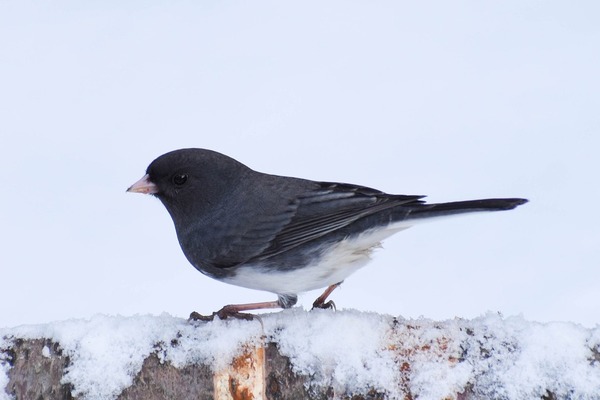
(190, 181)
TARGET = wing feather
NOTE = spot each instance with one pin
(331, 207)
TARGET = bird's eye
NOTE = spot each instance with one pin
(179, 179)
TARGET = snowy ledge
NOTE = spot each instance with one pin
(300, 355)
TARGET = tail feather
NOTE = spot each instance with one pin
(460, 207)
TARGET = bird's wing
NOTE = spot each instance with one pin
(327, 208)
(252, 230)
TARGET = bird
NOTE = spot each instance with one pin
(280, 234)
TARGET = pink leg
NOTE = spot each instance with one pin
(320, 301)
(235, 310)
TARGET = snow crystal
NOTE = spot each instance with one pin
(527, 359)
(350, 351)
(430, 352)
(345, 350)
(46, 352)
(107, 352)
(215, 343)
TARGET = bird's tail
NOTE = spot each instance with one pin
(461, 207)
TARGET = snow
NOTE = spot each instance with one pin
(46, 352)
(351, 351)
(553, 356)
(345, 350)
(107, 352)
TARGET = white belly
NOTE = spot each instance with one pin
(336, 264)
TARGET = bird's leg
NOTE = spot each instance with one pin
(320, 301)
(235, 310)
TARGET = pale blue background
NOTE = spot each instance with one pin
(456, 100)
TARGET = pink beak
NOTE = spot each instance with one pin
(144, 185)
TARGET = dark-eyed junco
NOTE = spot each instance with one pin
(280, 234)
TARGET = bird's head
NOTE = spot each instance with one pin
(190, 181)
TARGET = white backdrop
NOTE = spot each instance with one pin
(456, 100)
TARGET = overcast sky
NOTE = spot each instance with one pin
(455, 100)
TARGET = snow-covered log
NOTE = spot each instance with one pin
(300, 355)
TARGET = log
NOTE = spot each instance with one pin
(300, 355)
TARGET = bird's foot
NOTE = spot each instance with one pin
(196, 316)
(320, 301)
(324, 305)
(223, 313)
(235, 311)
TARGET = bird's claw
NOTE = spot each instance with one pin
(195, 316)
(223, 313)
(324, 305)
(238, 315)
